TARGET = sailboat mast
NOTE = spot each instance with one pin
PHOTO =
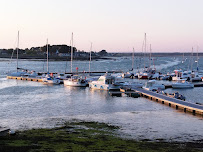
(192, 60)
(71, 53)
(145, 39)
(183, 58)
(133, 59)
(150, 56)
(17, 50)
(90, 58)
(197, 60)
(47, 57)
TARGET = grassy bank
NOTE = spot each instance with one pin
(85, 136)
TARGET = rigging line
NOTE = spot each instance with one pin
(90, 58)
(71, 51)
(14, 46)
(43, 60)
(67, 56)
(142, 54)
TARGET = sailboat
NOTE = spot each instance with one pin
(153, 74)
(17, 73)
(183, 58)
(129, 74)
(48, 79)
(144, 74)
(75, 80)
(195, 76)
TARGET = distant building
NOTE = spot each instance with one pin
(63, 54)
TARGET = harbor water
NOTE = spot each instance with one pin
(25, 105)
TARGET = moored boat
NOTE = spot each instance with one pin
(182, 85)
(195, 76)
(176, 95)
(151, 85)
(105, 82)
(181, 75)
(75, 81)
(50, 80)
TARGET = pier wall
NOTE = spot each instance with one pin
(197, 110)
(25, 78)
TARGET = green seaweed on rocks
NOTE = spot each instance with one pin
(85, 136)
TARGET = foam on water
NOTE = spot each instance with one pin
(167, 65)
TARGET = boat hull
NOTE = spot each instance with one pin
(74, 84)
(181, 86)
(143, 76)
(51, 82)
(102, 86)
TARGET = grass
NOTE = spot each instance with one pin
(85, 136)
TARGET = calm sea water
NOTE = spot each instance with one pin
(33, 105)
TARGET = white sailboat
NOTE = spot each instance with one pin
(144, 74)
(17, 73)
(195, 76)
(48, 79)
(183, 58)
(75, 80)
(129, 74)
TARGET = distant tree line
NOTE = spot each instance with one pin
(54, 50)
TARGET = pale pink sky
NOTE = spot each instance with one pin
(114, 25)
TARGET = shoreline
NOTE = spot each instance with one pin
(87, 136)
(56, 58)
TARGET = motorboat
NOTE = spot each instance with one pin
(31, 74)
(165, 77)
(181, 75)
(155, 76)
(143, 75)
(105, 82)
(62, 76)
(48, 79)
(176, 95)
(195, 76)
(182, 85)
(127, 75)
(132, 84)
(75, 81)
(151, 85)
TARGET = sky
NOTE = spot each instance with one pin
(113, 25)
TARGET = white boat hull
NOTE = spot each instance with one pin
(126, 75)
(56, 81)
(182, 86)
(156, 87)
(102, 86)
(74, 83)
(178, 79)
